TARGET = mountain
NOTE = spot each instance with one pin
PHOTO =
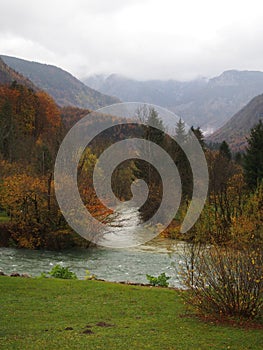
(235, 131)
(207, 103)
(8, 75)
(164, 93)
(61, 85)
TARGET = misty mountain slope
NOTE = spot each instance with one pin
(61, 85)
(163, 93)
(238, 127)
(8, 75)
(206, 103)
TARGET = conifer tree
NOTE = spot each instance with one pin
(224, 150)
(253, 159)
(180, 133)
(199, 135)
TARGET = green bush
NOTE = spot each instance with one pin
(160, 281)
(59, 271)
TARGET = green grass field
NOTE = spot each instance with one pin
(73, 314)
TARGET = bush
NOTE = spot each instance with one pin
(227, 281)
(59, 271)
(160, 281)
(90, 276)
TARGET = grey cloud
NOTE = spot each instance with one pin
(130, 37)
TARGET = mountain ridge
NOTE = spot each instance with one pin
(66, 89)
(207, 103)
(9, 75)
(237, 129)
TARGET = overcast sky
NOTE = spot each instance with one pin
(144, 39)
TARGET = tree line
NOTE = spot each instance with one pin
(31, 130)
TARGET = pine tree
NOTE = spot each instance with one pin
(224, 150)
(180, 133)
(183, 140)
(153, 130)
(253, 159)
(199, 135)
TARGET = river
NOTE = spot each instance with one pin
(125, 264)
(131, 264)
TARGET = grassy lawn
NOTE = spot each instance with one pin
(73, 314)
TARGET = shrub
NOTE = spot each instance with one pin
(227, 281)
(160, 281)
(90, 276)
(59, 271)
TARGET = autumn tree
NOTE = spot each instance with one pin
(27, 119)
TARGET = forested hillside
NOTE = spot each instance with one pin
(8, 75)
(31, 130)
(61, 85)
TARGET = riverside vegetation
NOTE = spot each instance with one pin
(31, 129)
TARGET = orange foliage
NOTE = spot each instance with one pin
(48, 110)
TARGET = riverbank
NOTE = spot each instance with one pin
(72, 314)
(19, 236)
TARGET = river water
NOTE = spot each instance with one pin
(126, 264)
(130, 264)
